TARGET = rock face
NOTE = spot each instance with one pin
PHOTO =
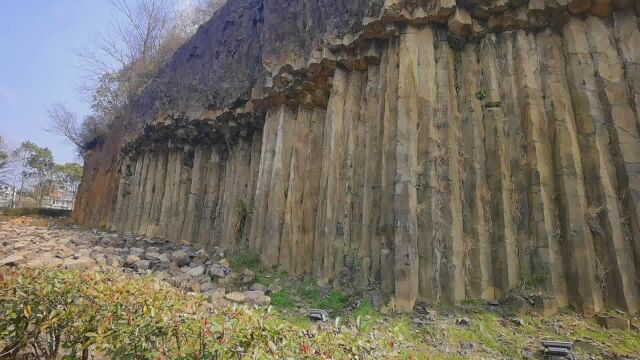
(436, 149)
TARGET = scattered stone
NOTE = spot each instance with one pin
(466, 345)
(218, 270)
(180, 257)
(248, 276)
(136, 251)
(82, 263)
(257, 297)
(131, 260)
(12, 260)
(259, 287)
(318, 315)
(236, 296)
(194, 271)
(224, 262)
(142, 265)
(418, 322)
(546, 306)
(613, 322)
(518, 304)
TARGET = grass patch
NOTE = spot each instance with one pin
(625, 343)
(245, 260)
(333, 301)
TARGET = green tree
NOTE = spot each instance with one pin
(37, 167)
(68, 176)
(5, 159)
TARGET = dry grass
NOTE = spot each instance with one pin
(602, 269)
(593, 218)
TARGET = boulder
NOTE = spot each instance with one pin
(236, 296)
(12, 260)
(259, 287)
(257, 297)
(248, 276)
(218, 270)
(613, 322)
(194, 271)
(180, 257)
(131, 260)
(142, 265)
(81, 263)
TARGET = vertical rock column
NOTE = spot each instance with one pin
(326, 222)
(278, 186)
(290, 241)
(504, 250)
(143, 222)
(158, 194)
(211, 195)
(196, 195)
(388, 166)
(269, 135)
(477, 242)
(405, 195)
(548, 259)
(371, 188)
(310, 200)
(623, 175)
(585, 293)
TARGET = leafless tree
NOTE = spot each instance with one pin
(64, 123)
(127, 52)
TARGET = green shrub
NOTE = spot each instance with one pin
(53, 314)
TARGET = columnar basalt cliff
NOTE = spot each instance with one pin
(435, 149)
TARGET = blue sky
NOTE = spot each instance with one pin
(39, 66)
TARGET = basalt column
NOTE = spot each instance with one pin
(432, 151)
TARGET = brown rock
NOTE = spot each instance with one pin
(579, 6)
(460, 22)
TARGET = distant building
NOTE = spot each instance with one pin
(7, 193)
(59, 198)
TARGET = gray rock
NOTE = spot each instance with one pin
(12, 260)
(136, 251)
(153, 256)
(142, 265)
(257, 297)
(259, 287)
(180, 257)
(131, 259)
(195, 271)
(218, 270)
(248, 276)
(82, 263)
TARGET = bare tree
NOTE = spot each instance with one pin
(132, 40)
(64, 123)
